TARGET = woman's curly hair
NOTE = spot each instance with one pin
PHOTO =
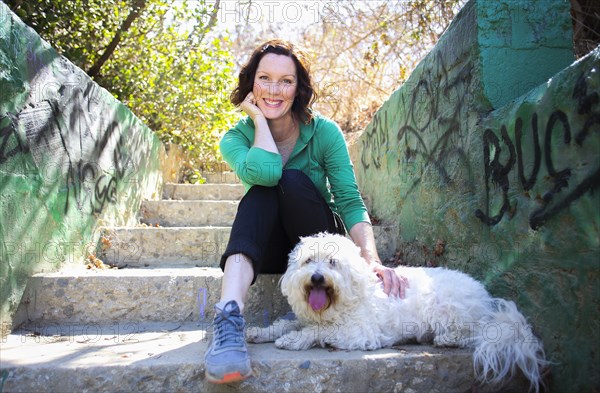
(305, 93)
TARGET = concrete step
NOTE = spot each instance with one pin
(188, 213)
(188, 246)
(108, 296)
(231, 192)
(221, 177)
(165, 246)
(147, 246)
(169, 358)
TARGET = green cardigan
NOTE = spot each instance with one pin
(320, 152)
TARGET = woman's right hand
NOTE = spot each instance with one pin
(249, 106)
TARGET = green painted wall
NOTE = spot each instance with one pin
(508, 181)
(72, 158)
(521, 42)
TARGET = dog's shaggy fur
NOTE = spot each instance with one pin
(339, 302)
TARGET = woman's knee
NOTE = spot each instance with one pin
(259, 194)
(295, 182)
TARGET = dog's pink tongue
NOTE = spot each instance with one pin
(317, 298)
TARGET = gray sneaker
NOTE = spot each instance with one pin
(226, 358)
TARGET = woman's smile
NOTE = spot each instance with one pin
(273, 103)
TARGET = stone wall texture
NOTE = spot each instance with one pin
(72, 158)
(488, 161)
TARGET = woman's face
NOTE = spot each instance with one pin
(275, 84)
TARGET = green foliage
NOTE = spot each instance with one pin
(78, 29)
(167, 67)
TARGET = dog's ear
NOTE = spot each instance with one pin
(295, 260)
(296, 254)
(283, 284)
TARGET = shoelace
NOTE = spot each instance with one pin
(227, 330)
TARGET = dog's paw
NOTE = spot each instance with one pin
(293, 342)
(258, 335)
(446, 341)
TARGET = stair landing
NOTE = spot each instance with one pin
(168, 357)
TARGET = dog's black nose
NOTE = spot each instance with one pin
(317, 278)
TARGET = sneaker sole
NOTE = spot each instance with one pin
(228, 378)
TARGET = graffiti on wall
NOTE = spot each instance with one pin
(72, 136)
(526, 155)
(503, 156)
(429, 136)
(10, 143)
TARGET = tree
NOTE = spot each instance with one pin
(586, 26)
(374, 47)
(160, 58)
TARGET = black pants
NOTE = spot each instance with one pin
(270, 221)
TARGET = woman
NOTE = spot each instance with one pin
(299, 181)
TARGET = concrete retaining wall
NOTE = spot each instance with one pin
(484, 173)
(71, 158)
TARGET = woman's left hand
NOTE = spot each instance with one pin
(393, 283)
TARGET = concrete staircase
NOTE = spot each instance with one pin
(145, 326)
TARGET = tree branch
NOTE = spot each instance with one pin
(138, 6)
(212, 21)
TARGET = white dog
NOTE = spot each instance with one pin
(339, 301)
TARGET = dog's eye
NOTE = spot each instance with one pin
(333, 262)
(309, 260)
